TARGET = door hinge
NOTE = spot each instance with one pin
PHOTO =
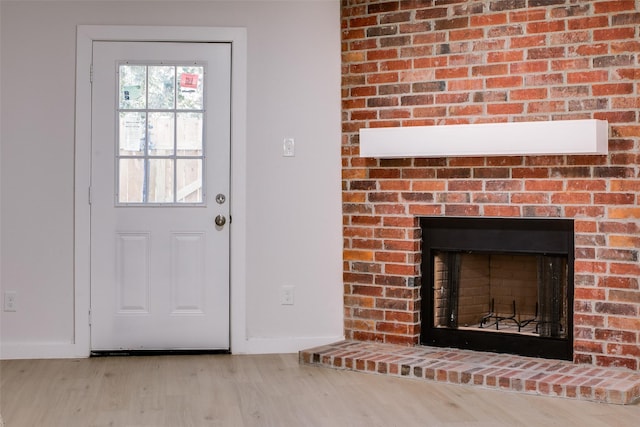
(91, 73)
(89, 195)
(89, 317)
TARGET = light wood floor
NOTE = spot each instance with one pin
(271, 390)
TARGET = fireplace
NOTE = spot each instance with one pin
(498, 284)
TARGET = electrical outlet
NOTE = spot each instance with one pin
(286, 295)
(10, 303)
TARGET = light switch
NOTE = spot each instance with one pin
(288, 147)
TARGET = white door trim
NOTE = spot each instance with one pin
(86, 35)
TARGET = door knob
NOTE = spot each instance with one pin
(220, 220)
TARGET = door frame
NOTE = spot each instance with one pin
(85, 36)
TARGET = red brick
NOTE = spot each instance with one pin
(571, 64)
(488, 19)
(527, 15)
(431, 62)
(619, 282)
(613, 89)
(589, 267)
(403, 340)
(504, 185)
(502, 211)
(626, 269)
(587, 77)
(490, 198)
(624, 213)
(507, 81)
(378, 54)
(507, 108)
(615, 198)
(452, 73)
(399, 316)
(358, 301)
(617, 362)
(588, 22)
(355, 255)
(462, 210)
(361, 21)
(465, 85)
(614, 6)
(625, 323)
(571, 198)
(398, 269)
(629, 296)
(490, 70)
(466, 34)
(590, 293)
(588, 346)
(543, 185)
(530, 198)
(390, 257)
(614, 34)
(530, 93)
(447, 24)
(508, 56)
(571, 38)
(545, 27)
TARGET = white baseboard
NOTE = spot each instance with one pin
(283, 345)
(42, 351)
(261, 345)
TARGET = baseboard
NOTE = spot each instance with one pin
(42, 351)
(260, 345)
(255, 345)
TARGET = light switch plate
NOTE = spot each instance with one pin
(289, 147)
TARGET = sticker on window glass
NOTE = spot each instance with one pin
(131, 93)
(189, 81)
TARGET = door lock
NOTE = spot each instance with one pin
(220, 198)
(220, 220)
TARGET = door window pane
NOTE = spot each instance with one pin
(160, 181)
(132, 133)
(191, 91)
(133, 86)
(162, 87)
(161, 134)
(131, 180)
(160, 155)
(189, 177)
(189, 134)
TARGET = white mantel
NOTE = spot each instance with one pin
(487, 139)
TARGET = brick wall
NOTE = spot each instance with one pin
(439, 62)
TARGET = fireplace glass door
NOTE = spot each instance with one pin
(501, 292)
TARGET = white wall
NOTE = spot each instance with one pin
(293, 212)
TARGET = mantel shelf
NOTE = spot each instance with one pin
(487, 139)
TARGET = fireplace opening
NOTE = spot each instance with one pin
(503, 285)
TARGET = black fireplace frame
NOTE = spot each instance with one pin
(533, 236)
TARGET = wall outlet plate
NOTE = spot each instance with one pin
(288, 147)
(286, 295)
(10, 302)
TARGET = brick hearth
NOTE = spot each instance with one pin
(488, 370)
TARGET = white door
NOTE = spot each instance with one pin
(160, 196)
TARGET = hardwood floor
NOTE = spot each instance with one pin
(269, 390)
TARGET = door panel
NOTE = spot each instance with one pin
(160, 155)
